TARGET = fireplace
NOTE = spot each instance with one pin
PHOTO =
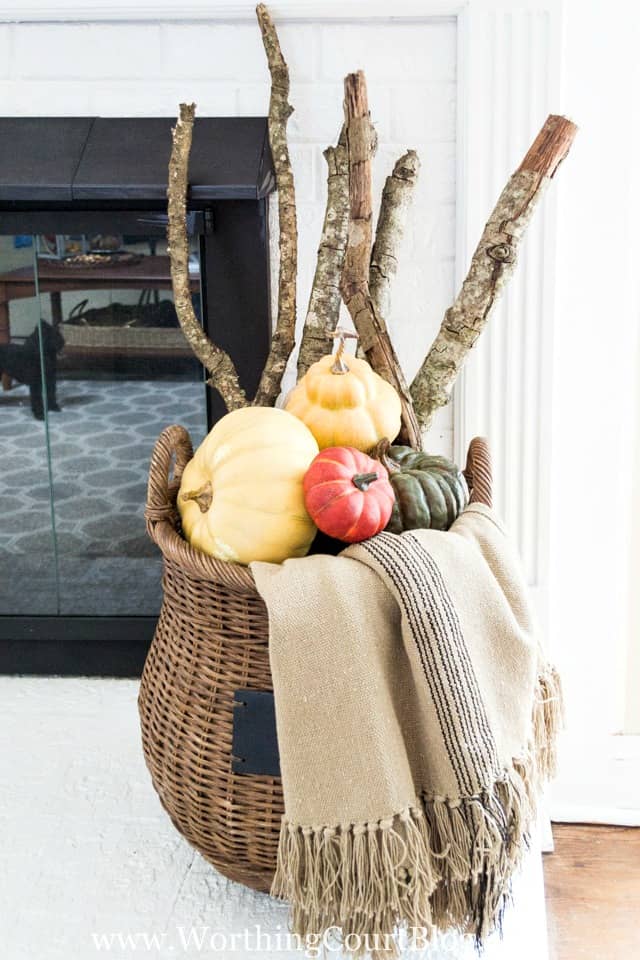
(94, 363)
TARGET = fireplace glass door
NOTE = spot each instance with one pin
(94, 365)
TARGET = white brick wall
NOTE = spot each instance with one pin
(141, 69)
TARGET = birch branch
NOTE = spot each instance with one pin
(218, 363)
(491, 266)
(396, 198)
(323, 312)
(374, 337)
(280, 110)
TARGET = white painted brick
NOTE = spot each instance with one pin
(5, 49)
(317, 115)
(382, 167)
(437, 162)
(303, 161)
(88, 51)
(421, 293)
(306, 271)
(318, 112)
(310, 216)
(436, 179)
(300, 45)
(380, 109)
(430, 231)
(214, 51)
(35, 98)
(389, 51)
(162, 99)
(234, 51)
(253, 99)
(439, 439)
(426, 113)
(320, 174)
(438, 172)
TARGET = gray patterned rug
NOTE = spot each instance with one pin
(100, 561)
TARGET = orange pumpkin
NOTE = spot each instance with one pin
(347, 494)
(345, 403)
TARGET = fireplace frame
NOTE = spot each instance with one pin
(228, 209)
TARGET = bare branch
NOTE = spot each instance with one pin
(491, 266)
(216, 361)
(374, 337)
(323, 311)
(280, 110)
(396, 198)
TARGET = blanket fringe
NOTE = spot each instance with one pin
(548, 720)
(438, 864)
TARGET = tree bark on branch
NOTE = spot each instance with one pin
(218, 363)
(396, 199)
(283, 340)
(374, 337)
(491, 266)
(323, 312)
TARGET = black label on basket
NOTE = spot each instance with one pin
(255, 743)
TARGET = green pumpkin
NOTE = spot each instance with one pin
(430, 490)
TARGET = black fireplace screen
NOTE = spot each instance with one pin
(94, 364)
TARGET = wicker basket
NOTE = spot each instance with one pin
(212, 639)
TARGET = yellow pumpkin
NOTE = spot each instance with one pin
(345, 403)
(241, 496)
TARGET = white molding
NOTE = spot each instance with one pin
(241, 10)
(49, 11)
(612, 816)
(598, 780)
(509, 82)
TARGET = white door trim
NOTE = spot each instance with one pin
(219, 10)
(504, 390)
(600, 781)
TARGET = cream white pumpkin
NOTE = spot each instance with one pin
(241, 496)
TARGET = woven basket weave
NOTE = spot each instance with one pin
(212, 639)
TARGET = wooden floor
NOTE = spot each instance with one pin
(593, 893)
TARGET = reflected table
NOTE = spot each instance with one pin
(55, 278)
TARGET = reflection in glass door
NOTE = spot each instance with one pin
(28, 569)
(116, 370)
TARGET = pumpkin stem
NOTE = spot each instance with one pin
(339, 365)
(381, 453)
(363, 480)
(203, 497)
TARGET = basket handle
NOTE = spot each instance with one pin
(477, 472)
(173, 442)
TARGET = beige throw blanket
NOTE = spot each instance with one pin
(416, 718)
